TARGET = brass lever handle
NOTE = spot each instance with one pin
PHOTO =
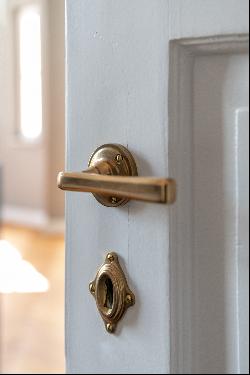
(112, 178)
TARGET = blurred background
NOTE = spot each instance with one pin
(31, 207)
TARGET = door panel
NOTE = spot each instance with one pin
(117, 64)
(242, 227)
(220, 91)
(208, 92)
(120, 69)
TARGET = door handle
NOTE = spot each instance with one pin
(113, 179)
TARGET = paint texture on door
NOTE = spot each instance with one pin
(166, 79)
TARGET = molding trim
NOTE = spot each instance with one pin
(183, 53)
(32, 218)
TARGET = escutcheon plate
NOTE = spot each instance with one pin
(111, 292)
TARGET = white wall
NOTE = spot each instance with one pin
(29, 171)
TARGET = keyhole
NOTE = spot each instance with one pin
(109, 294)
(105, 294)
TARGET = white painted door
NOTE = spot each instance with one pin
(169, 80)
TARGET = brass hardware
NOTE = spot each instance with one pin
(112, 178)
(111, 292)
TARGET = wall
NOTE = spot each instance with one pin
(57, 107)
(29, 171)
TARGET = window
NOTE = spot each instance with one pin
(28, 29)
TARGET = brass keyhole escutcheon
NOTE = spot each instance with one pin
(111, 292)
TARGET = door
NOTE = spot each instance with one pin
(169, 81)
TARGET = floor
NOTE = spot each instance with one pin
(32, 324)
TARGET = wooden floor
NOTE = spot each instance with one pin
(32, 325)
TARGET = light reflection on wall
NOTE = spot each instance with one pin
(16, 274)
